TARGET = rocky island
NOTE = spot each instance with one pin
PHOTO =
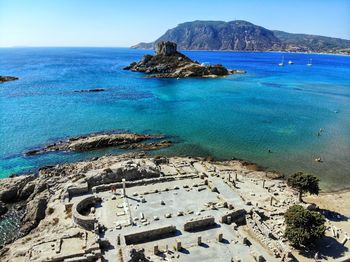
(169, 63)
(103, 140)
(4, 79)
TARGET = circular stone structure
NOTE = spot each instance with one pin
(86, 222)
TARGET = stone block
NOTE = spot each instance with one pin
(155, 249)
(178, 246)
(219, 237)
(199, 223)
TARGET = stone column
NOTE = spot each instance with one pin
(199, 240)
(124, 192)
(155, 249)
(178, 245)
(219, 237)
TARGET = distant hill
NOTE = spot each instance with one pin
(244, 36)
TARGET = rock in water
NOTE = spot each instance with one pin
(7, 78)
(103, 140)
(168, 62)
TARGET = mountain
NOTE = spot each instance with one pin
(313, 43)
(244, 36)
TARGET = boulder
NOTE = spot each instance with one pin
(11, 190)
(27, 190)
(35, 212)
(3, 209)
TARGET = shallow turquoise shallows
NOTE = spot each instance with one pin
(242, 116)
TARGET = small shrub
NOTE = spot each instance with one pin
(50, 210)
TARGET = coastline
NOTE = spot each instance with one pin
(56, 188)
(246, 163)
(243, 51)
(185, 50)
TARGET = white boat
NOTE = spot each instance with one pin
(310, 62)
(282, 62)
(290, 62)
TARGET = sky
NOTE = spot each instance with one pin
(118, 23)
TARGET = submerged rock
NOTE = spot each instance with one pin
(7, 78)
(90, 90)
(169, 63)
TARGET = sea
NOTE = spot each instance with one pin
(281, 118)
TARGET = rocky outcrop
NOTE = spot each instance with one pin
(97, 141)
(129, 170)
(15, 189)
(3, 209)
(35, 212)
(169, 63)
(7, 78)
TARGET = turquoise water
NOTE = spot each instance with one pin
(241, 116)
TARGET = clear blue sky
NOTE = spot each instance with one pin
(124, 23)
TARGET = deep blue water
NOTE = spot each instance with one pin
(242, 116)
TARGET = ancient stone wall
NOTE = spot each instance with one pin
(86, 222)
(76, 190)
(149, 235)
(237, 216)
(199, 223)
(142, 182)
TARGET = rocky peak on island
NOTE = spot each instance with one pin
(169, 63)
(166, 48)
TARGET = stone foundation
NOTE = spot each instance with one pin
(237, 216)
(199, 223)
(149, 235)
(86, 222)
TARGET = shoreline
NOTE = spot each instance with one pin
(125, 47)
(242, 51)
(51, 198)
(246, 163)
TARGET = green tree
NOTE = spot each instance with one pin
(304, 183)
(303, 226)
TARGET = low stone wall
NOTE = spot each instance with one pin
(237, 216)
(107, 187)
(76, 190)
(149, 235)
(199, 223)
(86, 222)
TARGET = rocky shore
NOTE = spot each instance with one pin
(76, 211)
(4, 79)
(169, 63)
(104, 140)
